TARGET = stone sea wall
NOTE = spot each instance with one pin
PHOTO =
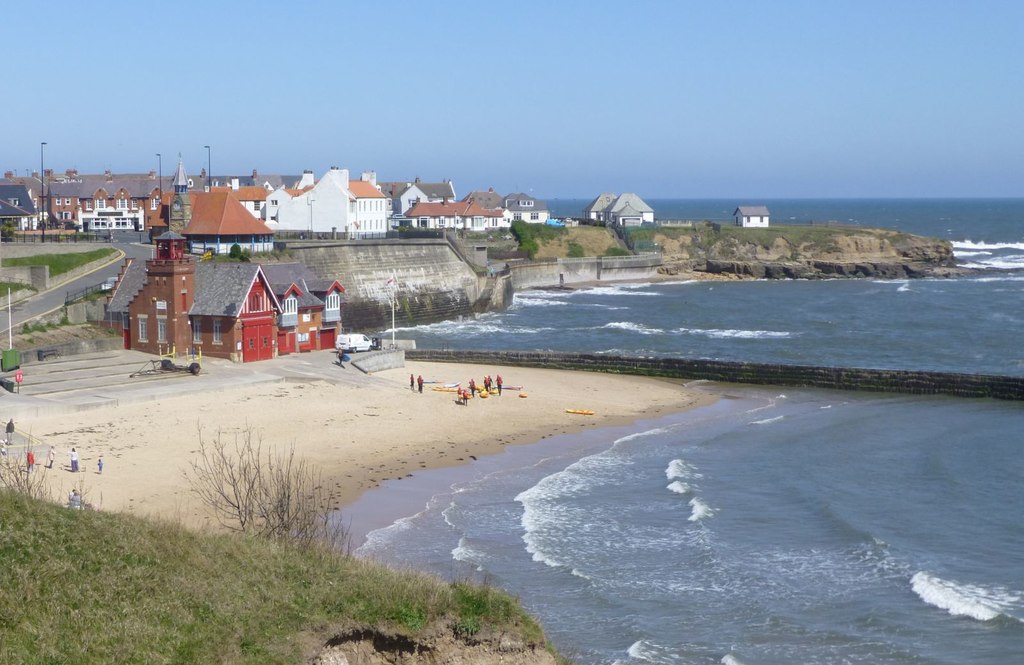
(835, 378)
(566, 272)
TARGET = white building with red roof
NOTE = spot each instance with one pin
(463, 215)
(330, 206)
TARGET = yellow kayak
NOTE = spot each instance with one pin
(580, 412)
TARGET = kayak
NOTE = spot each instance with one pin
(580, 412)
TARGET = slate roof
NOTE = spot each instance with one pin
(283, 275)
(600, 204)
(131, 282)
(432, 190)
(220, 213)
(752, 211)
(221, 288)
(489, 200)
(20, 194)
(630, 200)
(512, 203)
(138, 186)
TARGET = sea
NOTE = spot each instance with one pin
(774, 525)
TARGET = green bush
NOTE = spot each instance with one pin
(575, 250)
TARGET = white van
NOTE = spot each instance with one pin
(353, 342)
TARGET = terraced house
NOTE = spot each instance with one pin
(97, 203)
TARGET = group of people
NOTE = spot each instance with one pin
(416, 382)
(462, 396)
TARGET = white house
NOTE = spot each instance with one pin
(368, 207)
(523, 207)
(401, 196)
(627, 209)
(313, 207)
(465, 215)
(751, 216)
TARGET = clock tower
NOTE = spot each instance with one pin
(181, 205)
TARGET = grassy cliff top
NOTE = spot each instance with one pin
(90, 587)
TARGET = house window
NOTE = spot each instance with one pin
(135, 204)
(302, 338)
(217, 339)
(152, 204)
(161, 329)
(122, 204)
(143, 328)
(518, 216)
(101, 204)
(333, 301)
(256, 302)
(15, 201)
(291, 305)
(67, 202)
(88, 205)
(534, 216)
(197, 330)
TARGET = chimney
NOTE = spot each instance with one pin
(370, 177)
(417, 180)
(109, 176)
(9, 175)
(254, 174)
(152, 174)
(490, 189)
(49, 173)
(202, 173)
(234, 184)
(71, 173)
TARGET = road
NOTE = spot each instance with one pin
(131, 243)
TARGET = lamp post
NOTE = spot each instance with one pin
(42, 190)
(209, 170)
(309, 202)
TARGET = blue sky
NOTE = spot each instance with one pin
(842, 98)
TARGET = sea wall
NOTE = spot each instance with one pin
(375, 361)
(835, 378)
(564, 272)
(432, 283)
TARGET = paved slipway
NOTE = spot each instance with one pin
(91, 380)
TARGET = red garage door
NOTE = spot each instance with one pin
(327, 337)
(257, 342)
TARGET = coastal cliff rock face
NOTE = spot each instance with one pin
(366, 647)
(807, 253)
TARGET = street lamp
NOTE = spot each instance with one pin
(309, 202)
(42, 189)
(209, 170)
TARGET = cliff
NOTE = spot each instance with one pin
(803, 252)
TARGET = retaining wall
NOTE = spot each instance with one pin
(433, 284)
(836, 378)
(563, 272)
(375, 361)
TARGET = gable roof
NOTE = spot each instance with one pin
(220, 213)
(20, 194)
(138, 186)
(222, 288)
(432, 190)
(752, 211)
(630, 200)
(283, 275)
(601, 203)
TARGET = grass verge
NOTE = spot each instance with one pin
(61, 263)
(91, 587)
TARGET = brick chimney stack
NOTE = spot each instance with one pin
(9, 175)
(108, 175)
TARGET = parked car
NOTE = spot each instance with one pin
(108, 284)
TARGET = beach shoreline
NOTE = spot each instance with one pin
(357, 432)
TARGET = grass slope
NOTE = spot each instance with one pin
(88, 587)
(60, 263)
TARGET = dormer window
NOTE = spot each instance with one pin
(291, 305)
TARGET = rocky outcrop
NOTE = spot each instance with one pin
(809, 253)
(442, 647)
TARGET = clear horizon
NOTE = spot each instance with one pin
(742, 100)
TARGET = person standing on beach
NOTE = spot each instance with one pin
(412, 383)
(472, 387)
(50, 457)
(10, 432)
(74, 461)
(497, 382)
(99, 465)
(30, 460)
(419, 383)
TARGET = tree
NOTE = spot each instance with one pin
(264, 492)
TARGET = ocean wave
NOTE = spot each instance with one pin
(767, 421)
(729, 659)
(640, 435)
(678, 468)
(976, 602)
(716, 333)
(970, 245)
(463, 552)
(633, 327)
(700, 510)
(966, 254)
(519, 301)
(638, 289)
(1011, 262)
(679, 487)
(474, 327)
(649, 652)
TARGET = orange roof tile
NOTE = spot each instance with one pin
(221, 213)
(253, 193)
(364, 190)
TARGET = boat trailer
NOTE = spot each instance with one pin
(165, 366)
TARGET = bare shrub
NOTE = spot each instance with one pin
(264, 492)
(15, 476)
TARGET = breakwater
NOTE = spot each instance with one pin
(802, 376)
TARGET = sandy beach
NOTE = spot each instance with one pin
(358, 433)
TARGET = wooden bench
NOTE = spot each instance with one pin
(43, 354)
